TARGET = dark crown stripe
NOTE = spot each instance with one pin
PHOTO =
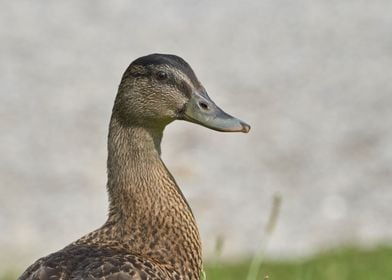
(169, 60)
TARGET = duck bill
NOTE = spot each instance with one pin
(202, 110)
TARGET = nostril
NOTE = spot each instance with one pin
(203, 105)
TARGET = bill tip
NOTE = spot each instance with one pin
(245, 127)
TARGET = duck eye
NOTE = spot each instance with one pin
(161, 75)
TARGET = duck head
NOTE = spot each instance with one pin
(157, 89)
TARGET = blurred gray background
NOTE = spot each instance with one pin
(313, 78)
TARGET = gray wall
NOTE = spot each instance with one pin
(313, 78)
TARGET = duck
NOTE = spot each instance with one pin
(150, 232)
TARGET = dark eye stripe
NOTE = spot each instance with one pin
(170, 79)
(185, 88)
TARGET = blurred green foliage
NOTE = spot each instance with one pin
(341, 264)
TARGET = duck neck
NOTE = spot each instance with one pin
(147, 211)
(133, 156)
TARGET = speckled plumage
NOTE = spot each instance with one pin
(151, 232)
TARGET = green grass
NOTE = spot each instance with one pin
(341, 264)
